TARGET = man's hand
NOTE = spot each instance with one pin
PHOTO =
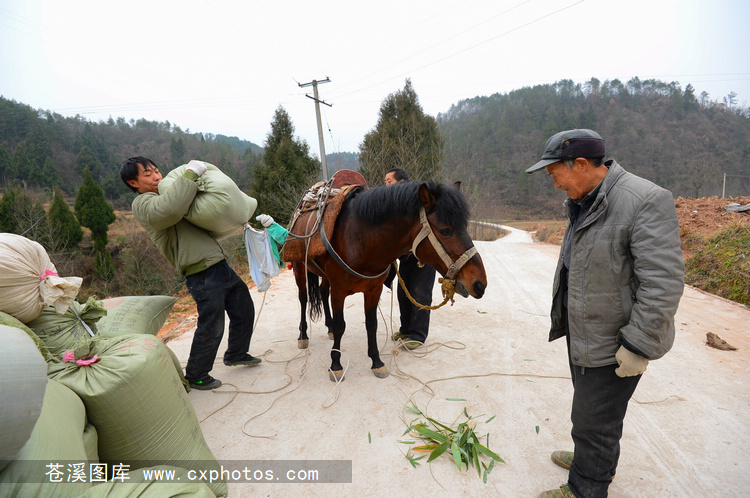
(197, 167)
(265, 220)
(630, 363)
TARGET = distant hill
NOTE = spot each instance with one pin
(681, 141)
(690, 144)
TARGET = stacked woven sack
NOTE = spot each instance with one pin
(88, 383)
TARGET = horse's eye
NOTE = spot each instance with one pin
(446, 232)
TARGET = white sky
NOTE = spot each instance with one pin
(224, 66)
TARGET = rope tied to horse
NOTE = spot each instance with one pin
(447, 288)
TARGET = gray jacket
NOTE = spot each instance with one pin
(626, 273)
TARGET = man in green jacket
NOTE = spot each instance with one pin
(213, 284)
(618, 282)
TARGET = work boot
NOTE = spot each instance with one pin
(561, 492)
(564, 459)
(400, 335)
(411, 345)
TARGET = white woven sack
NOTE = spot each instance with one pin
(219, 206)
(29, 280)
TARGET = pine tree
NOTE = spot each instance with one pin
(50, 175)
(66, 231)
(404, 137)
(20, 165)
(94, 213)
(286, 171)
(6, 164)
(86, 159)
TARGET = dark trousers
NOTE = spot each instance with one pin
(216, 290)
(600, 400)
(419, 282)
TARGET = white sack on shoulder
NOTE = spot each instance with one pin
(219, 206)
(29, 280)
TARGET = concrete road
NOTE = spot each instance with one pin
(687, 432)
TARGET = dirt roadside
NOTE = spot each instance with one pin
(686, 433)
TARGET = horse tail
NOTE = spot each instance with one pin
(314, 296)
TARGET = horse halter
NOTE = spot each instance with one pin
(453, 267)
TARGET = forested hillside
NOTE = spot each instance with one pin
(658, 130)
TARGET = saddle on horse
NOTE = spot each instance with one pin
(320, 205)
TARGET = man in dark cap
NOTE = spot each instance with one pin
(617, 286)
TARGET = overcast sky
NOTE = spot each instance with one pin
(224, 66)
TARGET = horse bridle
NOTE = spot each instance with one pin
(453, 266)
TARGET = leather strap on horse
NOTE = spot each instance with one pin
(340, 261)
(453, 267)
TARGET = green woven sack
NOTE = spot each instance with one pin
(58, 438)
(23, 379)
(139, 315)
(219, 206)
(135, 399)
(67, 331)
(135, 315)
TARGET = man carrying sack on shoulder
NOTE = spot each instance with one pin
(213, 284)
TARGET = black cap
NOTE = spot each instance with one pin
(570, 144)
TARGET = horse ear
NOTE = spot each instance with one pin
(426, 198)
(457, 185)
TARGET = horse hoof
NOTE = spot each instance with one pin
(381, 372)
(303, 343)
(336, 375)
(330, 335)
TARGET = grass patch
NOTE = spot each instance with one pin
(722, 266)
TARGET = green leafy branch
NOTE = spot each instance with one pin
(461, 443)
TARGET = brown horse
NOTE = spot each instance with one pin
(373, 229)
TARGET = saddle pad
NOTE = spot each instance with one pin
(303, 223)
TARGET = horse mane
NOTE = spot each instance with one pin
(378, 204)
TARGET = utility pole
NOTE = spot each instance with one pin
(317, 100)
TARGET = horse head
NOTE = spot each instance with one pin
(444, 217)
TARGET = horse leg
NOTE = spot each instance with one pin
(303, 342)
(336, 373)
(371, 324)
(325, 291)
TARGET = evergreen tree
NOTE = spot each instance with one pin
(20, 165)
(8, 223)
(6, 165)
(50, 175)
(404, 137)
(65, 229)
(286, 171)
(38, 146)
(86, 159)
(94, 213)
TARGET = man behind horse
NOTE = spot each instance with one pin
(415, 322)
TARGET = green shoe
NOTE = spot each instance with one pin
(411, 345)
(562, 458)
(561, 492)
(400, 335)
